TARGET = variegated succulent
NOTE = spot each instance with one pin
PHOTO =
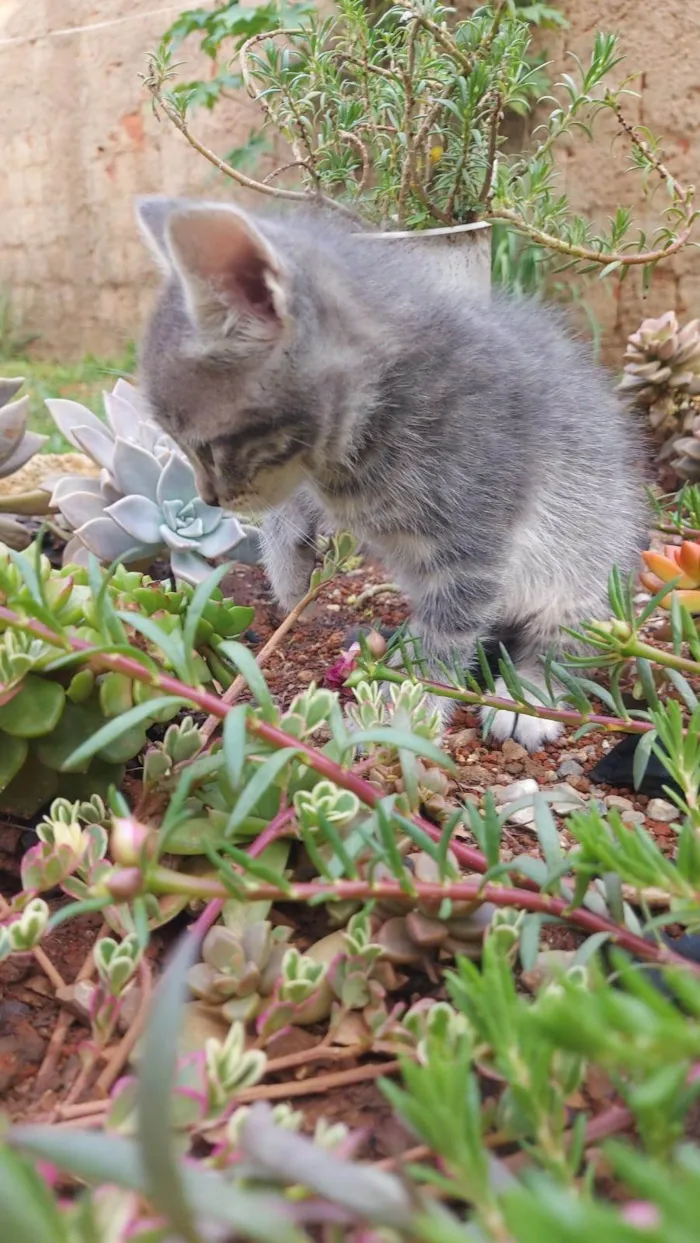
(662, 372)
(145, 502)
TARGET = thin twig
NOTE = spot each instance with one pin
(118, 1058)
(602, 257)
(239, 683)
(64, 1024)
(494, 128)
(249, 183)
(356, 141)
(319, 1084)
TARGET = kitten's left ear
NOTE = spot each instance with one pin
(153, 213)
(233, 278)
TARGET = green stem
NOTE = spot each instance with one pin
(670, 659)
(568, 716)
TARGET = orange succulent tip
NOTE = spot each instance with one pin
(667, 567)
(689, 599)
(689, 559)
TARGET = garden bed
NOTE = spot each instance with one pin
(29, 1012)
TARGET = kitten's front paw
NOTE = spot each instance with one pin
(530, 731)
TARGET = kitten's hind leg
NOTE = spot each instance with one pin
(289, 535)
(531, 732)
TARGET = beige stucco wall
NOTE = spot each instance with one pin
(80, 141)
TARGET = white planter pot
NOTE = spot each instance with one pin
(460, 256)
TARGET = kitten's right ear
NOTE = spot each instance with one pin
(153, 213)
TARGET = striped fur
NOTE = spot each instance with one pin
(473, 446)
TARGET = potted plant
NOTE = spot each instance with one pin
(398, 122)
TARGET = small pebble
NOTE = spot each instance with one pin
(512, 750)
(514, 792)
(517, 789)
(617, 801)
(633, 817)
(660, 809)
(566, 798)
(78, 998)
(461, 739)
(570, 768)
(548, 966)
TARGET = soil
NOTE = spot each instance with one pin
(28, 1011)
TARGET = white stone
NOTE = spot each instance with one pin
(660, 809)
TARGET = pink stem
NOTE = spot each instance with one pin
(162, 880)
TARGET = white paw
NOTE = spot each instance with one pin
(530, 731)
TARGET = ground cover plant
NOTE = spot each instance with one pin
(362, 925)
(277, 962)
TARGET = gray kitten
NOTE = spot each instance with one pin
(471, 444)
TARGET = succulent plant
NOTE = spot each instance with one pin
(45, 715)
(676, 561)
(662, 372)
(17, 446)
(415, 937)
(239, 969)
(145, 501)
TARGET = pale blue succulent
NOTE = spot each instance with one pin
(144, 502)
(17, 445)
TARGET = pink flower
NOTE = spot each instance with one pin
(338, 674)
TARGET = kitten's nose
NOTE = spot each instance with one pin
(205, 486)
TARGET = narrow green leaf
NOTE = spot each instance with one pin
(529, 946)
(200, 598)
(234, 740)
(257, 867)
(86, 907)
(401, 740)
(29, 1212)
(591, 945)
(156, 1076)
(385, 815)
(547, 831)
(267, 773)
(120, 725)
(97, 1158)
(642, 754)
(170, 645)
(250, 671)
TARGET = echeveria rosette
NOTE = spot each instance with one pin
(179, 520)
(145, 501)
(17, 445)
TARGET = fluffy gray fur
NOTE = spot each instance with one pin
(471, 444)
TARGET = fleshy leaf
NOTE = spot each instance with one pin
(139, 516)
(188, 567)
(227, 535)
(13, 425)
(109, 542)
(97, 443)
(36, 710)
(176, 482)
(80, 507)
(69, 416)
(67, 484)
(135, 470)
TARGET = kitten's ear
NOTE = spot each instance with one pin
(153, 213)
(231, 273)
